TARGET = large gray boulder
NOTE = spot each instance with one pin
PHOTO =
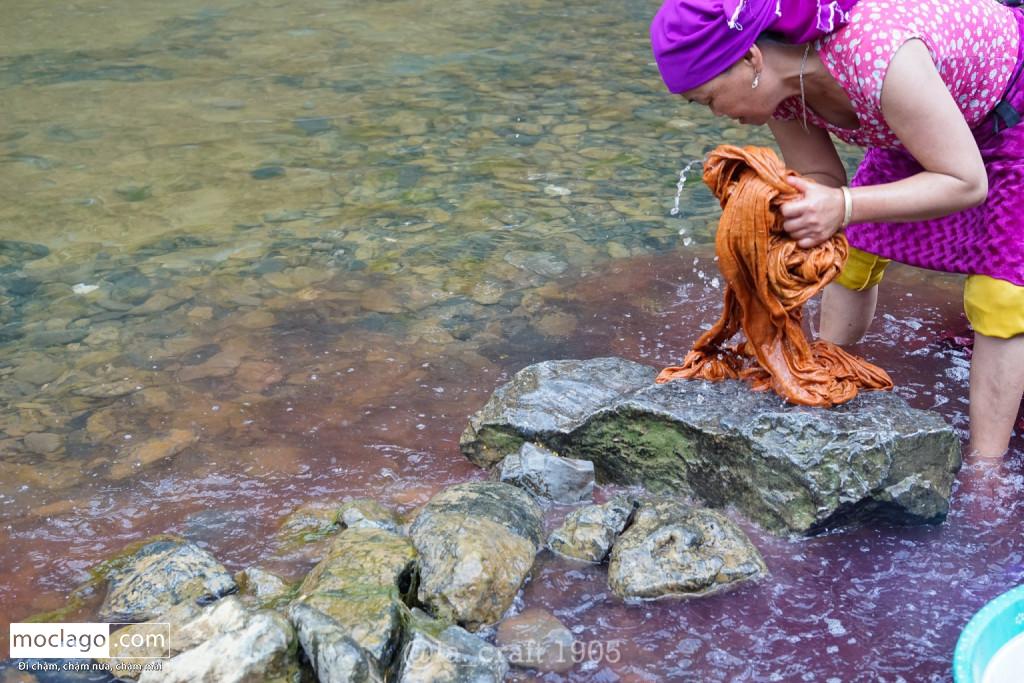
(477, 542)
(672, 549)
(790, 468)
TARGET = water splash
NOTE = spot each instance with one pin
(674, 211)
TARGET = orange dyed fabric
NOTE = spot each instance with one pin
(768, 280)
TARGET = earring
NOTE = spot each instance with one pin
(757, 79)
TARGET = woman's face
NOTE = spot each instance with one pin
(729, 94)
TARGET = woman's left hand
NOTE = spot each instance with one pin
(814, 217)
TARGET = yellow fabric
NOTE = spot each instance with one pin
(862, 270)
(994, 307)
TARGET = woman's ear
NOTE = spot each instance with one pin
(755, 58)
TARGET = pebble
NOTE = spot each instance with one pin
(151, 451)
(42, 443)
(109, 389)
(133, 192)
(38, 371)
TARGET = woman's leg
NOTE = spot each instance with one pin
(997, 383)
(846, 313)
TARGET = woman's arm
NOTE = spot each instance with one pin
(811, 153)
(926, 119)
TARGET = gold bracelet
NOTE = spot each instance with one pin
(847, 206)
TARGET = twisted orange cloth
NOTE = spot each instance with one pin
(768, 280)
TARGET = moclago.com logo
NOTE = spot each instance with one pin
(90, 640)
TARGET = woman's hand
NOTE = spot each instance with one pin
(814, 217)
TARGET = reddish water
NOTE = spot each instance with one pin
(880, 603)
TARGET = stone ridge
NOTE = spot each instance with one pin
(790, 468)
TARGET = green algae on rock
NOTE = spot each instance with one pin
(477, 542)
(361, 587)
(790, 468)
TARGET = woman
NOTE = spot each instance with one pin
(932, 90)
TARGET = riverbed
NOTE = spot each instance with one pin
(258, 254)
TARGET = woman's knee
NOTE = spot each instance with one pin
(846, 314)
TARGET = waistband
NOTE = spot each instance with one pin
(1009, 111)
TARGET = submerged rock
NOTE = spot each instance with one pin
(477, 542)
(790, 468)
(358, 587)
(158, 576)
(674, 549)
(535, 638)
(544, 474)
(435, 653)
(588, 533)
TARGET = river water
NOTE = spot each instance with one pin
(257, 254)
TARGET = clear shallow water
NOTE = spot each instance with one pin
(321, 235)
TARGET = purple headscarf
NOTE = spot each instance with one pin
(696, 40)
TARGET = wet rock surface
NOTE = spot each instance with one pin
(334, 655)
(477, 542)
(224, 641)
(536, 639)
(672, 549)
(548, 476)
(435, 653)
(789, 468)
(588, 532)
(359, 587)
(366, 513)
(160, 575)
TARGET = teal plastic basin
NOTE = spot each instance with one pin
(995, 624)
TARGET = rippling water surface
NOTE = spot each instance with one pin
(258, 254)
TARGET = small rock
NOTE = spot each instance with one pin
(121, 387)
(477, 543)
(133, 192)
(536, 639)
(365, 513)
(42, 443)
(150, 451)
(266, 172)
(675, 549)
(261, 584)
(257, 320)
(103, 336)
(453, 656)
(541, 263)
(543, 473)
(257, 375)
(38, 370)
(588, 533)
(146, 583)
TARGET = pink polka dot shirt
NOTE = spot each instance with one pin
(972, 42)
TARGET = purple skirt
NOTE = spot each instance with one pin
(984, 240)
